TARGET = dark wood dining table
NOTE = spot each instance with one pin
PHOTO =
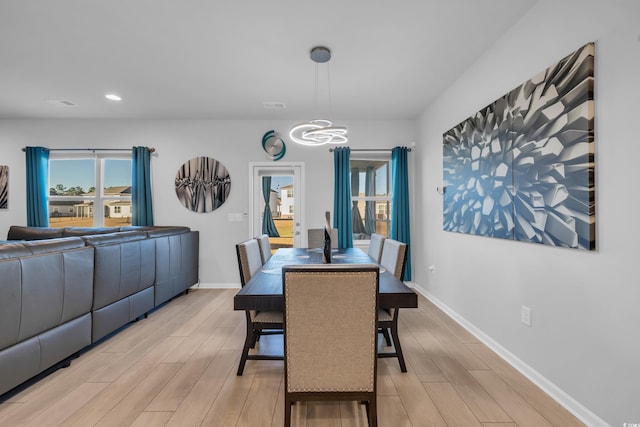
(264, 291)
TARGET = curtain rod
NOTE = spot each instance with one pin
(151, 149)
(331, 150)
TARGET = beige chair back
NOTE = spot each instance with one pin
(249, 259)
(330, 327)
(315, 237)
(394, 256)
(265, 247)
(375, 247)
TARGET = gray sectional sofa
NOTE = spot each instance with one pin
(62, 290)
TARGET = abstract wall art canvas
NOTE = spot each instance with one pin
(522, 168)
(4, 187)
(202, 184)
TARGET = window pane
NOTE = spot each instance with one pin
(370, 194)
(117, 213)
(117, 174)
(72, 177)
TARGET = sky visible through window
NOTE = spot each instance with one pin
(80, 172)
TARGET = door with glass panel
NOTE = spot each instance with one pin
(277, 203)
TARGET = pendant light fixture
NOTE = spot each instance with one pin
(319, 131)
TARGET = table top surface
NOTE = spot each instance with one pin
(264, 290)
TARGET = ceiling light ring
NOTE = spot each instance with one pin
(319, 131)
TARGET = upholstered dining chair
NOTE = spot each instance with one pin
(258, 322)
(375, 247)
(393, 259)
(265, 247)
(315, 237)
(336, 301)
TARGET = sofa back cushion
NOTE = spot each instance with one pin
(19, 232)
(40, 292)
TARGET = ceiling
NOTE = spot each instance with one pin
(209, 59)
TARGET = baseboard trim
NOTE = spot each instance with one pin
(555, 392)
(216, 286)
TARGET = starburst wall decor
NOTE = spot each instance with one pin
(522, 168)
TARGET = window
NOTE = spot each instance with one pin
(82, 181)
(371, 196)
(290, 194)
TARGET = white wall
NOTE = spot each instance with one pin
(234, 143)
(585, 337)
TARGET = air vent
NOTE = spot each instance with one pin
(61, 103)
(274, 105)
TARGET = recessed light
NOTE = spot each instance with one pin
(113, 97)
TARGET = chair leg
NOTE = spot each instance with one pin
(385, 334)
(255, 338)
(287, 411)
(247, 344)
(372, 412)
(396, 343)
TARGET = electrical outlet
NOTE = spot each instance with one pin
(525, 315)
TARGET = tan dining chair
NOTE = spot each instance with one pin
(265, 247)
(393, 259)
(258, 322)
(330, 334)
(315, 237)
(375, 247)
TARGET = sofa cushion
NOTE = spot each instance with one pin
(88, 231)
(19, 232)
(53, 245)
(13, 250)
(114, 238)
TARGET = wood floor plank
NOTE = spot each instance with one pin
(216, 300)
(194, 407)
(416, 357)
(50, 390)
(477, 399)
(121, 362)
(228, 404)
(260, 404)
(433, 313)
(549, 408)
(65, 407)
(385, 383)
(457, 348)
(323, 414)
(177, 389)
(391, 412)
(99, 406)
(518, 409)
(450, 405)
(421, 409)
(152, 419)
(129, 408)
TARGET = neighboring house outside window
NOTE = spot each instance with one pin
(371, 195)
(286, 201)
(73, 180)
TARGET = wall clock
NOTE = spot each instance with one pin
(273, 145)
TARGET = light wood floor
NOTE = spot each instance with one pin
(178, 367)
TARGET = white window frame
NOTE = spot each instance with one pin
(99, 198)
(388, 198)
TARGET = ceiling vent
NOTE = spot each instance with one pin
(274, 105)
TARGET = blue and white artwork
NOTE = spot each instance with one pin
(522, 168)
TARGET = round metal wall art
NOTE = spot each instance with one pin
(273, 145)
(202, 184)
